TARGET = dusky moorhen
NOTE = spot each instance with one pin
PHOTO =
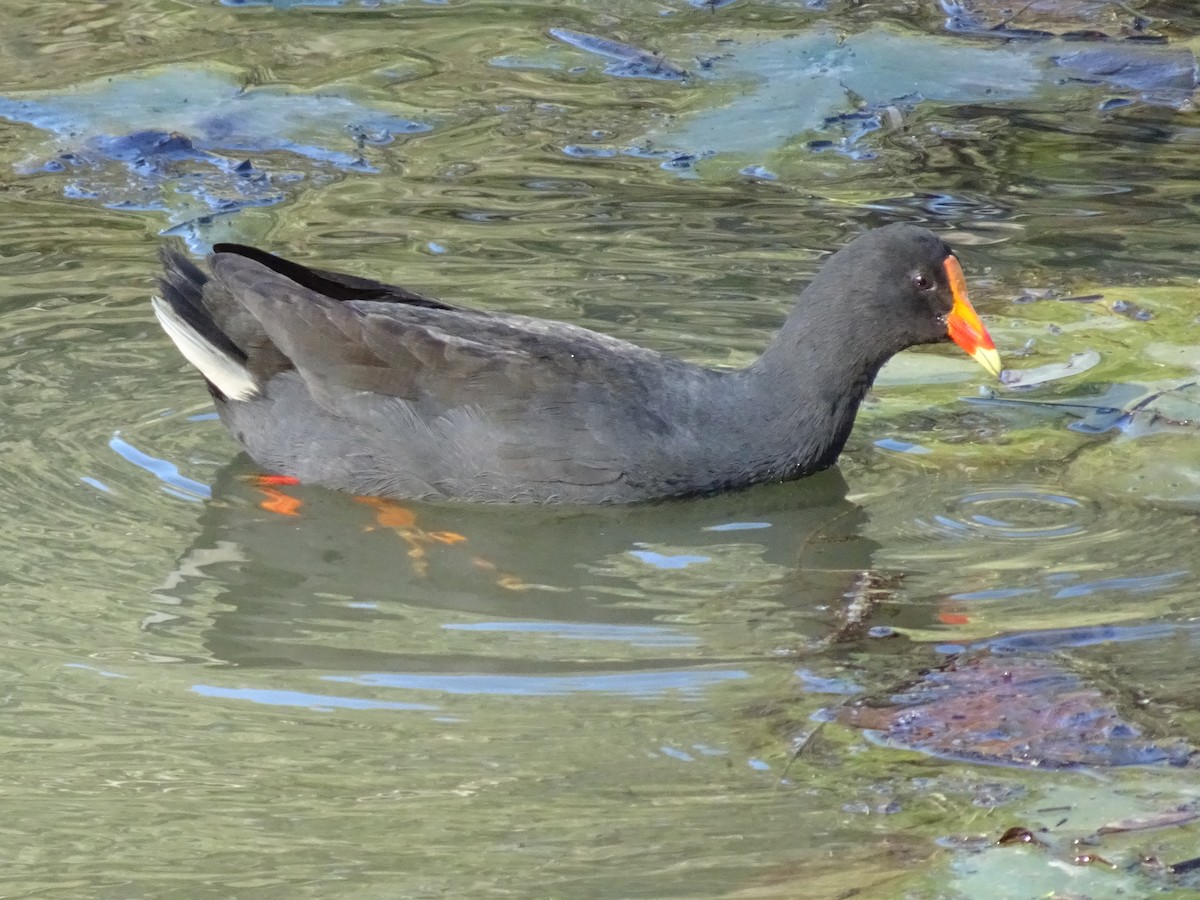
(378, 390)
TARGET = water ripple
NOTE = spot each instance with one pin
(1017, 514)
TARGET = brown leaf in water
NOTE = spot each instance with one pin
(1010, 710)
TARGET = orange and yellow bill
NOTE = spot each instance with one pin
(964, 325)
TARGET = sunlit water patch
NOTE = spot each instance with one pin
(179, 139)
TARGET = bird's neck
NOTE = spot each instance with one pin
(810, 380)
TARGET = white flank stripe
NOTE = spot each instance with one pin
(230, 376)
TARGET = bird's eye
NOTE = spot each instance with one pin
(922, 282)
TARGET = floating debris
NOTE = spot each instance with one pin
(1163, 77)
(671, 160)
(1133, 409)
(1181, 868)
(1069, 20)
(1181, 815)
(1019, 835)
(1131, 310)
(1027, 378)
(628, 61)
(758, 173)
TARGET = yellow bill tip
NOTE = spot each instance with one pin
(989, 359)
(963, 324)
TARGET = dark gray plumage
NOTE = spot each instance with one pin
(374, 389)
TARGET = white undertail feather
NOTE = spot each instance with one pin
(230, 376)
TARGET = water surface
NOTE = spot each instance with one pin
(209, 695)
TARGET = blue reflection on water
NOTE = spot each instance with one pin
(1085, 636)
(632, 684)
(661, 561)
(320, 702)
(1135, 585)
(175, 484)
(901, 446)
(676, 754)
(104, 673)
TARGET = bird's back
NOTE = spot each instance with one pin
(375, 389)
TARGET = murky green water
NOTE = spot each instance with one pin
(208, 698)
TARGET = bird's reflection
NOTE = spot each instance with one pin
(295, 567)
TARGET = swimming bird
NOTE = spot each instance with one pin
(378, 390)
